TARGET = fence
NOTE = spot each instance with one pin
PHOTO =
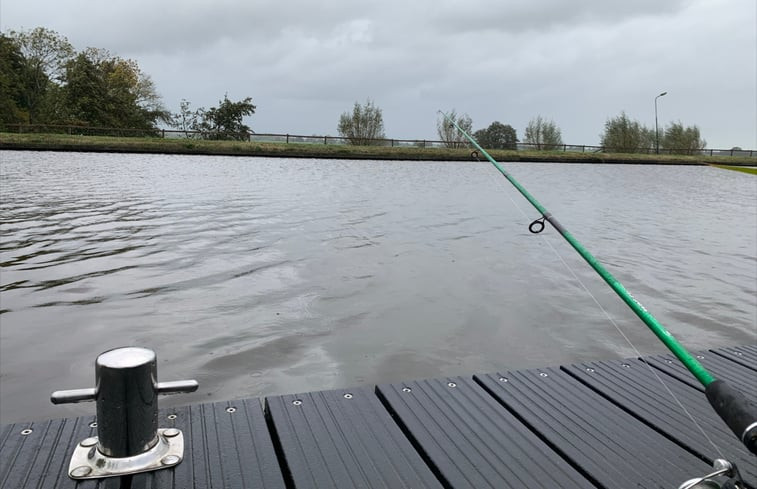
(336, 140)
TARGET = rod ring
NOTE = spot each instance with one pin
(474, 154)
(537, 226)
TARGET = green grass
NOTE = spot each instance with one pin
(744, 169)
(63, 142)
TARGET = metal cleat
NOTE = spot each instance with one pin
(128, 439)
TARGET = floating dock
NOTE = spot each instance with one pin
(608, 424)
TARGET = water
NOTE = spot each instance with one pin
(265, 276)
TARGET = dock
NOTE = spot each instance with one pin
(602, 424)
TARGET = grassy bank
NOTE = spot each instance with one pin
(62, 142)
(744, 169)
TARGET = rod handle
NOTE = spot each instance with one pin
(738, 412)
(73, 395)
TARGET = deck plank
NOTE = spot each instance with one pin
(225, 449)
(40, 459)
(743, 355)
(608, 444)
(739, 376)
(471, 440)
(633, 386)
(329, 440)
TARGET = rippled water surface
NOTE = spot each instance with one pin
(265, 276)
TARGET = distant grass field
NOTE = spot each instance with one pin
(744, 169)
(63, 142)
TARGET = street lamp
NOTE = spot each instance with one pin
(656, 130)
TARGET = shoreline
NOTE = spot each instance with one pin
(101, 144)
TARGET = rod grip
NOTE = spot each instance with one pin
(738, 412)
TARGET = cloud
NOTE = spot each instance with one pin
(303, 63)
(454, 16)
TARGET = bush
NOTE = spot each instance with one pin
(622, 135)
(363, 126)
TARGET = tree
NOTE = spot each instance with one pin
(108, 91)
(85, 92)
(363, 126)
(186, 119)
(147, 97)
(497, 136)
(452, 137)
(11, 82)
(543, 134)
(225, 121)
(682, 140)
(622, 135)
(45, 54)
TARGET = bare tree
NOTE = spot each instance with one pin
(364, 126)
(452, 137)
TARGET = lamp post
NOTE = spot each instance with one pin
(656, 130)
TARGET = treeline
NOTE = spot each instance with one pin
(365, 125)
(623, 135)
(44, 80)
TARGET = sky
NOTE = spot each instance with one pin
(304, 63)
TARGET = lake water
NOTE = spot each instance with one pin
(261, 276)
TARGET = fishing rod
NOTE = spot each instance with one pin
(732, 406)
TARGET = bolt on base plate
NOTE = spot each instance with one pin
(88, 463)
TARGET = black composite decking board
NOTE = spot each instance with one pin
(634, 387)
(471, 441)
(40, 459)
(329, 440)
(610, 445)
(221, 450)
(739, 376)
(743, 355)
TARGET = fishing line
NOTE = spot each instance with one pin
(617, 327)
(738, 412)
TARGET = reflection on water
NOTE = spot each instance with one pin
(267, 276)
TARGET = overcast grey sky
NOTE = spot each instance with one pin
(304, 63)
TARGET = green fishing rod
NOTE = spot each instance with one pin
(739, 413)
